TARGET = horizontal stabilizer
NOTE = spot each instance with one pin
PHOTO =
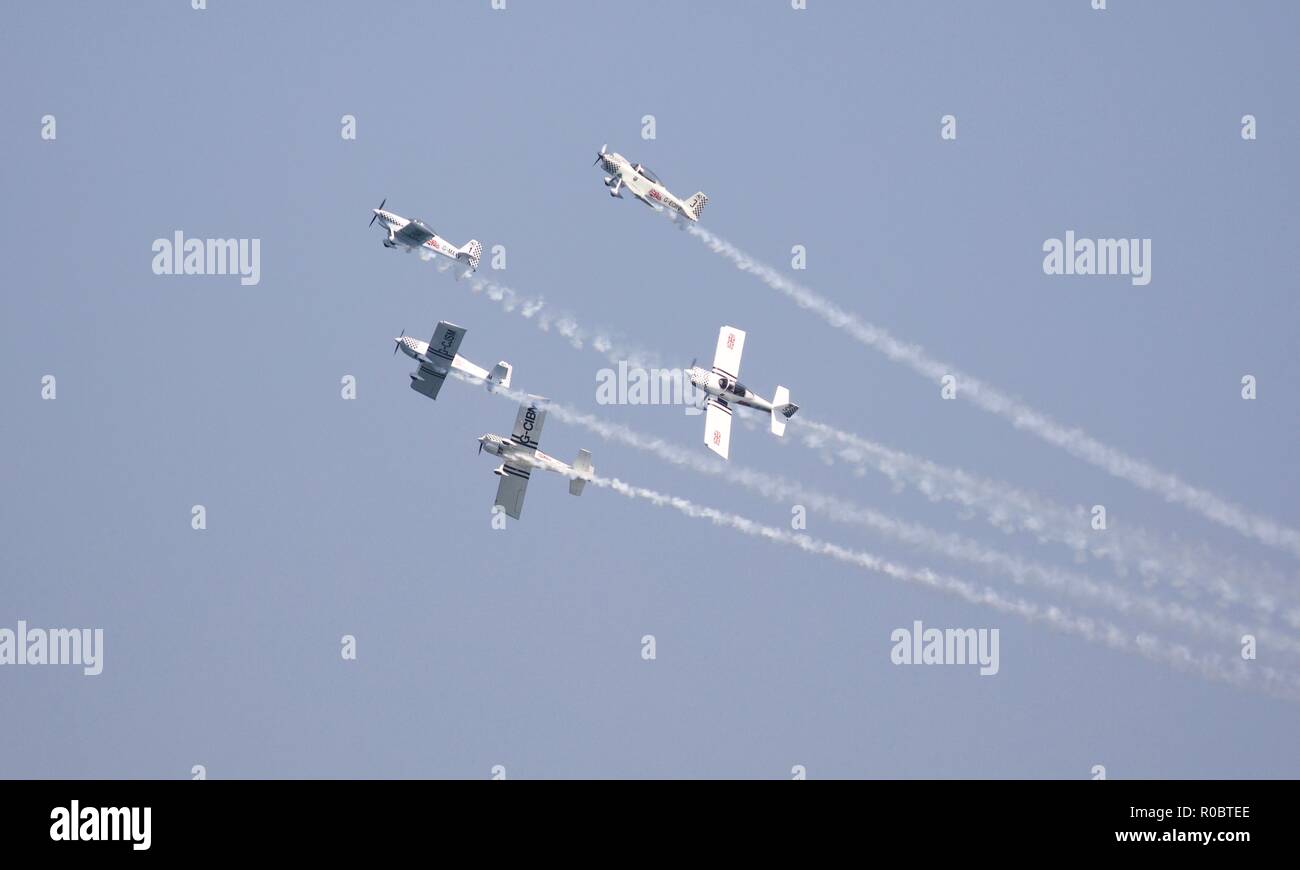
(782, 410)
(582, 467)
(500, 376)
(695, 205)
(470, 253)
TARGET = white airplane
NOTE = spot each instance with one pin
(520, 456)
(413, 235)
(438, 357)
(724, 390)
(643, 184)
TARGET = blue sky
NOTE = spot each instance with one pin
(479, 647)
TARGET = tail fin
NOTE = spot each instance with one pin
(470, 252)
(695, 205)
(500, 375)
(782, 409)
(583, 468)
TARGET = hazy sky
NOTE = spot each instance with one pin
(371, 517)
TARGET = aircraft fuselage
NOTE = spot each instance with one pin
(520, 456)
(722, 387)
(395, 223)
(649, 191)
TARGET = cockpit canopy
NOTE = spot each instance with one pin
(734, 387)
(646, 173)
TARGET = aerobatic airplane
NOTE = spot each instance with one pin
(413, 235)
(520, 456)
(438, 357)
(724, 390)
(643, 184)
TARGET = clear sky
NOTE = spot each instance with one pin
(479, 647)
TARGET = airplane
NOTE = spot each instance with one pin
(413, 235)
(723, 390)
(520, 456)
(645, 186)
(438, 357)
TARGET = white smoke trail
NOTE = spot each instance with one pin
(1009, 508)
(536, 310)
(1212, 666)
(1021, 571)
(1073, 440)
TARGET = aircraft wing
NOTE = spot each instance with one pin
(726, 359)
(414, 233)
(441, 357)
(717, 427)
(427, 381)
(511, 489)
(445, 342)
(528, 423)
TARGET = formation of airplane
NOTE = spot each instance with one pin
(519, 453)
(724, 390)
(413, 235)
(520, 457)
(438, 357)
(643, 184)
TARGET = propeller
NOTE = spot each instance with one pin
(397, 342)
(480, 447)
(704, 396)
(600, 155)
(376, 214)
